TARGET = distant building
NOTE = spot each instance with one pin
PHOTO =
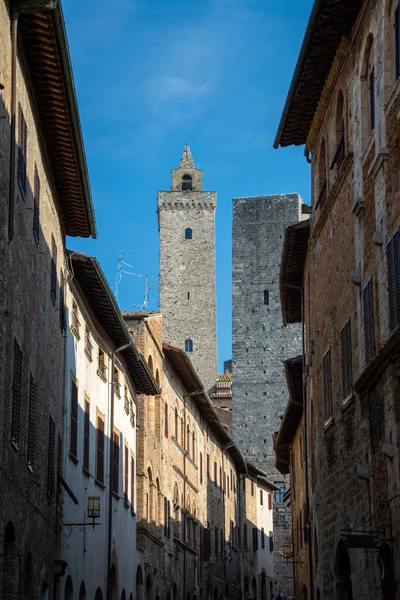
(260, 345)
(221, 397)
(100, 455)
(186, 217)
(343, 282)
(44, 196)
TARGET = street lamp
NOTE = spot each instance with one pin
(93, 508)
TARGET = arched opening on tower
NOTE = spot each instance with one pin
(188, 233)
(186, 182)
(188, 345)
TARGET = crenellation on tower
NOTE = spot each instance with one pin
(186, 216)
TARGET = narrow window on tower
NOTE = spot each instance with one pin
(188, 345)
(266, 297)
(186, 182)
(188, 233)
(188, 296)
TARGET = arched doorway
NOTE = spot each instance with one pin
(114, 583)
(139, 583)
(123, 595)
(82, 592)
(254, 589)
(149, 587)
(174, 592)
(305, 594)
(263, 585)
(246, 588)
(387, 573)
(9, 584)
(68, 589)
(26, 578)
(45, 591)
(343, 585)
(99, 594)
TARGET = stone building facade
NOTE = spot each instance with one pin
(186, 217)
(348, 120)
(190, 504)
(100, 418)
(44, 196)
(260, 344)
(221, 397)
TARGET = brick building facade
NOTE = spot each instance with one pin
(348, 120)
(44, 196)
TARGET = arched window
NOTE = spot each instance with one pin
(321, 178)
(368, 89)
(68, 590)
(186, 182)
(188, 439)
(188, 233)
(188, 345)
(339, 133)
(150, 363)
(82, 592)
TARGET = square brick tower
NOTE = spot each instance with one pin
(186, 219)
(261, 344)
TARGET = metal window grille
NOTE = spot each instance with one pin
(346, 360)
(17, 394)
(36, 207)
(73, 440)
(31, 423)
(327, 383)
(86, 435)
(369, 327)
(50, 455)
(393, 259)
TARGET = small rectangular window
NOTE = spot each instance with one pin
(133, 474)
(266, 297)
(36, 207)
(86, 435)
(255, 539)
(369, 327)
(327, 385)
(262, 538)
(269, 501)
(17, 395)
(208, 465)
(271, 541)
(252, 488)
(280, 492)
(115, 453)
(126, 474)
(102, 367)
(372, 98)
(215, 473)
(73, 437)
(88, 344)
(100, 450)
(261, 498)
(166, 420)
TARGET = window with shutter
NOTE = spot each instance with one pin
(206, 544)
(271, 541)
(50, 459)
(255, 539)
(53, 270)
(166, 420)
(245, 535)
(100, 450)
(393, 259)
(346, 359)
(73, 440)
(115, 472)
(372, 98)
(36, 207)
(215, 473)
(369, 327)
(31, 424)
(133, 475)
(201, 468)
(327, 377)
(86, 435)
(126, 474)
(17, 395)
(261, 498)
(269, 501)
(22, 151)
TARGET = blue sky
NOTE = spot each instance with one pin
(153, 75)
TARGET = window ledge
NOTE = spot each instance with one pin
(99, 484)
(15, 445)
(328, 425)
(74, 331)
(127, 504)
(133, 513)
(347, 403)
(89, 357)
(392, 96)
(116, 496)
(368, 146)
(103, 377)
(86, 472)
(73, 458)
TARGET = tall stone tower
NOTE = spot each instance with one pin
(261, 344)
(186, 219)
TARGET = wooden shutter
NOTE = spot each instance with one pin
(215, 473)
(50, 459)
(245, 535)
(261, 498)
(271, 541)
(59, 455)
(133, 476)
(262, 538)
(166, 420)
(73, 440)
(17, 394)
(201, 468)
(22, 151)
(206, 544)
(270, 501)
(369, 327)
(220, 477)
(255, 539)
(372, 98)
(36, 207)
(346, 359)
(86, 435)
(53, 270)
(115, 473)
(100, 450)
(31, 424)
(393, 258)
(126, 474)
(326, 367)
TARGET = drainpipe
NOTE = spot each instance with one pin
(111, 472)
(305, 442)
